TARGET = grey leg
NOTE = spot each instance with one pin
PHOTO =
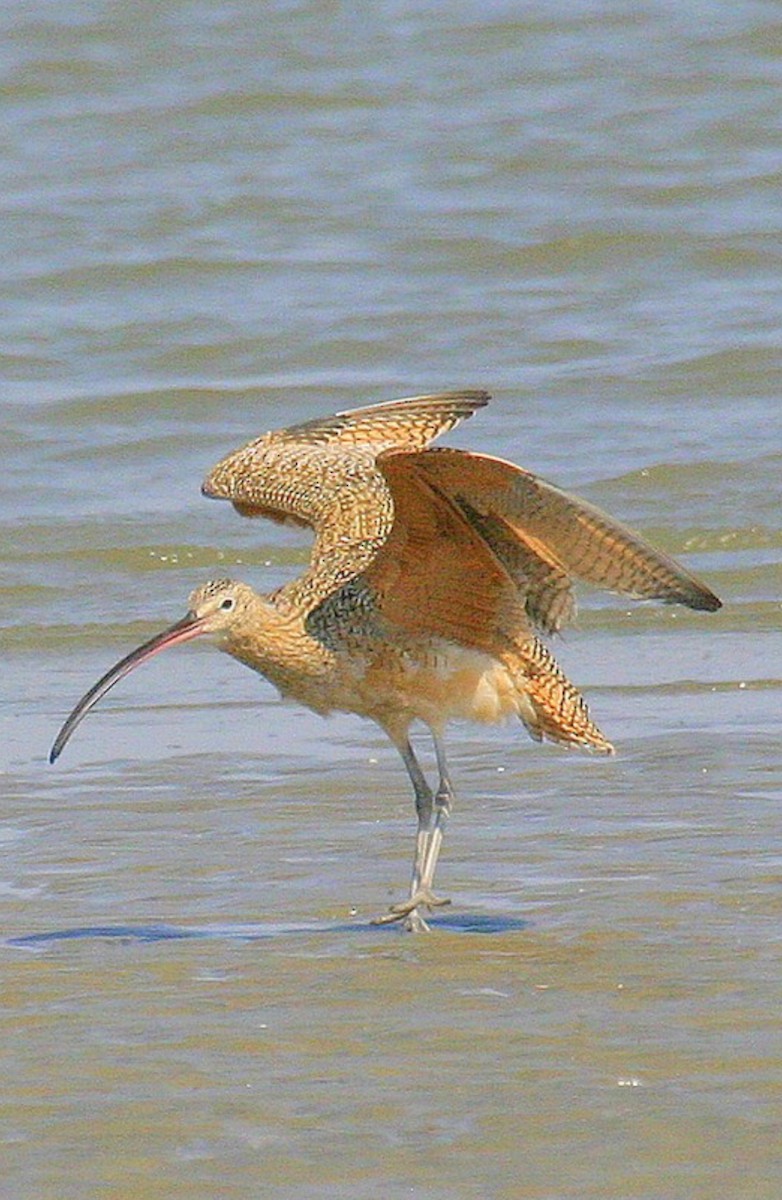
(423, 809)
(429, 837)
(442, 811)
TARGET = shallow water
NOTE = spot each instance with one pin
(218, 218)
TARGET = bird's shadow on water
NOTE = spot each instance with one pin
(450, 923)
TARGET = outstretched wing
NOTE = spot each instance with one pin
(296, 474)
(544, 537)
(435, 575)
(412, 423)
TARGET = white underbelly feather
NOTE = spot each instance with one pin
(445, 683)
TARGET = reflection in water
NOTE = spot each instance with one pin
(453, 922)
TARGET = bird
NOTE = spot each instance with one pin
(436, 577)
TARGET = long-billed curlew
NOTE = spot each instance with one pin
(431, 576)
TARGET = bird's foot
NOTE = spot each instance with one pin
(407, 911)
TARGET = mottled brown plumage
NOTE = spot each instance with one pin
(432, 575)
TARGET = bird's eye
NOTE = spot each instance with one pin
(227, 604)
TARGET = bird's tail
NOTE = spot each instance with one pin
(551, 706)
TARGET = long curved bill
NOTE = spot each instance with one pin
(189, 627)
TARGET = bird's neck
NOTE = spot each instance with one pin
(271, 638)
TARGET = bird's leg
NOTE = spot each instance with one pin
(423, 806)
(424, 862)
(442, 810)
(423, 809)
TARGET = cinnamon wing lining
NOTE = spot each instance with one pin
(545, 586)
(544, 536)
(435, 575)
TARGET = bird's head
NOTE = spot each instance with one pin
(218, 606)
(214, 609)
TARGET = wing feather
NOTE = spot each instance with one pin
(544, 536)
(435, 575)
(412, 423)
(465, 535)
(297, 473)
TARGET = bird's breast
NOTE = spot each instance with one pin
(436, 684)
(388, 680)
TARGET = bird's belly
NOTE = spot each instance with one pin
(438, 685)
